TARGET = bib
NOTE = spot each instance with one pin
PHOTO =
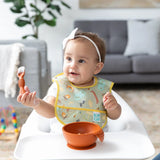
(74, 104)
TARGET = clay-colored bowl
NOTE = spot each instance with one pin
(82, 135)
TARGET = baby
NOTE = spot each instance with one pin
(77, 94)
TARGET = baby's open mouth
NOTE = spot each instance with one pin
(74, 73)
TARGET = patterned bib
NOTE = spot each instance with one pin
(74, 104)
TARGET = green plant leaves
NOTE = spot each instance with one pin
(21, 23)
(29, 35)
(52, 14)
(35, 8)
(15, 10)
(55, 7)
(19, 4)
(65, 4)
(34, 15)
(51, 22)
(8, 1)
(47, 1)
(38, 20)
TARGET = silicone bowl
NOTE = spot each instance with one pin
(82, 135)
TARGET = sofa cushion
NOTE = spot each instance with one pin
(143, 37)
(117, 64)
(146, 64)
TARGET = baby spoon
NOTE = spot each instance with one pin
(21, 81)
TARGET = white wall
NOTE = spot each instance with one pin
(54, 36)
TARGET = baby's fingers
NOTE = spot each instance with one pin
(19, 98)
(24, 98)
(110, 105)
(33, 98)
(107, 103)
(106, 96)
(26, 89)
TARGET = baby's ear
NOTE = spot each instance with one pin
(99, 67)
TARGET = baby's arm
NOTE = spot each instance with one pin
(111, 105)
(44, 108)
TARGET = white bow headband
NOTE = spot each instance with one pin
(72, 36)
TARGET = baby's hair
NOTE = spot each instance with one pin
(97, 40)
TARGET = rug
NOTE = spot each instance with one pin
(145, 101)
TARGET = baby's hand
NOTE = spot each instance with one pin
(109, 101)
(28, 98)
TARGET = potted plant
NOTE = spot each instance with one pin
(36, 12)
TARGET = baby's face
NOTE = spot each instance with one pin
(80, 61)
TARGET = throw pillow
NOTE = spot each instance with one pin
(143, 37)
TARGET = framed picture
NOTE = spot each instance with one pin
(119, 4)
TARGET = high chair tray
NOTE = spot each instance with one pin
(117, 145)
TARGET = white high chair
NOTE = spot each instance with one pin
(126, 139)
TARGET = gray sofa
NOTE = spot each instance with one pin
(119, 68)
(37, 73)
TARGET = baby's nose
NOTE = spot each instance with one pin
(73, 64)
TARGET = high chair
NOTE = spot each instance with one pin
(126, 139)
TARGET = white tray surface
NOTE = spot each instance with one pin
(116, 145)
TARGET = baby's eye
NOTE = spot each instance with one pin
(81, 61)
(68, 58)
